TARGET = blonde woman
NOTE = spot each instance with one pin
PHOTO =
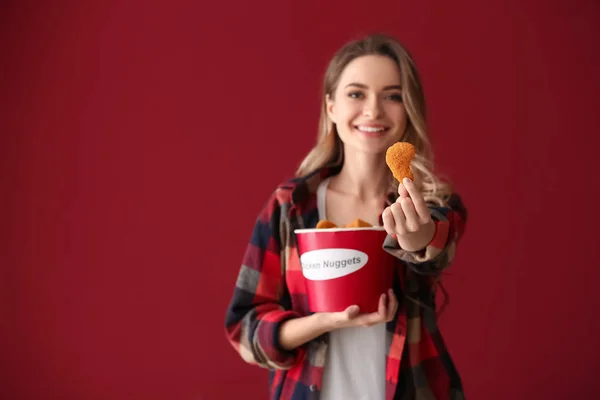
(372, 98)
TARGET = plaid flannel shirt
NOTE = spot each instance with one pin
(270, 289)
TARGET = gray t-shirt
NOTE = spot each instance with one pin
(356, 357)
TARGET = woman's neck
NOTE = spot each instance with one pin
(364, 176)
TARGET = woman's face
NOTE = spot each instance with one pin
(367, 105)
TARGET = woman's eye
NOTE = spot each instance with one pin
(355, 95)
(395, 97)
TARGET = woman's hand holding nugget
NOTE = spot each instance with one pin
(409, 218)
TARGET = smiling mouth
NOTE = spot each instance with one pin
(371, 130)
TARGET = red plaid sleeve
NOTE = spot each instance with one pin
(256, 311)
(438, 254)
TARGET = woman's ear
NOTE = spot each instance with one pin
(330, 107)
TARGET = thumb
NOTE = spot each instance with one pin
(402, 192)
(352, 311)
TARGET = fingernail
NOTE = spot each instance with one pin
(407, 181)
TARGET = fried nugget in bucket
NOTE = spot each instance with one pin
(358, 223)
(325, 224)
(398, 158)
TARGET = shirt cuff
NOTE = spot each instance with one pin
(430, 252)
(267, 341)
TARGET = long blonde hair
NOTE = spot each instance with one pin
(328, 151)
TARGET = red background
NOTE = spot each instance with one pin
(140, 141)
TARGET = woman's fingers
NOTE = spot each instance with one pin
(383, 313)
(386, 311)
(382, 308)
(420, 206)
(402, 191)
(388, 221)
(399, 218)
(392, 305)
(411, 221)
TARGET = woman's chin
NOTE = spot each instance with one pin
(368, 148)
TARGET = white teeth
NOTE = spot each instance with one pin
(370, 129)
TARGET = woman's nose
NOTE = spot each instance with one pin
(372, 109)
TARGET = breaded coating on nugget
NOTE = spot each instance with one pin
(324, 224)
(358, 223)
(398, 157)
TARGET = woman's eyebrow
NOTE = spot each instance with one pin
(363, 86)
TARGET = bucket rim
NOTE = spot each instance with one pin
(325, 230)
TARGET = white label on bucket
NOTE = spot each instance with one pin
(324, 264)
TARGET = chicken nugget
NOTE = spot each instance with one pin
(325, 224)
(398, 158)
(358, 223)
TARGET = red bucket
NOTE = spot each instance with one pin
(344, 267)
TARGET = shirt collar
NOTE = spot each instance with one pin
(303, 187)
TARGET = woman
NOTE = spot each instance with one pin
(372, 98)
